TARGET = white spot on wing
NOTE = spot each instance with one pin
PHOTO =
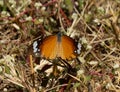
(35, 49)
(79, 48)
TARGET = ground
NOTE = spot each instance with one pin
(95, 24)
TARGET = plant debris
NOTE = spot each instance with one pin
(95, 24)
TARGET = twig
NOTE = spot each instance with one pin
(32, 72)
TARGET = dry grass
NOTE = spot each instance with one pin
(95, 24)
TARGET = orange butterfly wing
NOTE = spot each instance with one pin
(48, 47)
(68, 48)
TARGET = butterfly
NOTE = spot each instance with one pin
(59, 46)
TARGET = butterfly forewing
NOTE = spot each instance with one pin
(48, 47)
(68, 47)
